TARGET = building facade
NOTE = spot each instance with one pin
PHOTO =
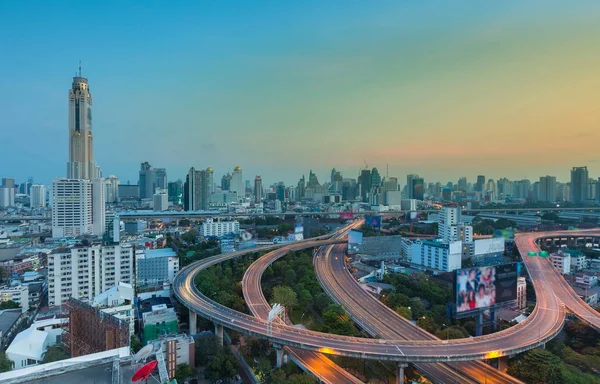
(438, 255)
(155, 266)
(237, 183)
(84, 272)
(211, 228)
(196, 190)
(579, 185)
(37, 199)
(72, 213)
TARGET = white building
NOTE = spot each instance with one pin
(98, 207)
(29, 346)
(37, 196)
(154, 266)
(72, 213)
(437, 255)
(211, 228)
(567, 261)
(521, 293)
(111, 188)
(85, 272)
(19, 294)
(177, 349)
(7, 197)
(237, 183)
(451, 227)
(160, 200)
(118, 302)
(587, 280)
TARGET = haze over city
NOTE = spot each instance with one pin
(444, 90)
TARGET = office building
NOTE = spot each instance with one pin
(521, 293)
(72, 213)
(98, 207)
(147, 181)
(81, 163)
(226, 182)
(37, 198)
(364, 181)
(159, 321)
(84, 272)
(211, 180)
(437, 255)
(258, 189)
(280, 192)
(175, 191)
(160, 178)
(480, 184)
(18, 294)
(415, 186)
(177, 349)
(237, 184)
(579, 185)
(128, 192)
(196, 190)
(160, 200)
(451, 228)
(547, 189)
(156, 266)
(211, 228)
(111, 193)
(7, 193)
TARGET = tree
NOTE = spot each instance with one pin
(404, 312)
(452, 333)
(278, 376)
(135, 343)
(5, 364)
(9, 305)
(427, 323)
(223, 364)
(417, 307)
(190, 236)
(183, 371)
(285, 296)
(263, 369)
(550, 216)
(206, 348)
(301, 378)
(55, 353)
(537, 367)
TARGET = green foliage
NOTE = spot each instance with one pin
(9, 305)
(190, 236)
(550, 216)
(5, 363)
(404, 312)
(183, 371)
(206, 348)
(455, 332)
(336, 321)
(537, 367)
(301, 378)
(487, 226)
(278, 376)
(428, 324)
(135, 343)
(55, 353)
(224, 364)
(285, 296)
(416, 306)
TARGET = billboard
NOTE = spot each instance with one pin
(347, 215)
(373, 222)
(485, 287)
(355, 240)
(507, 234)
(487, 246)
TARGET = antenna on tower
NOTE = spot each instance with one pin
(79, 68)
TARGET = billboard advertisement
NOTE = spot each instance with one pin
(487, 246)
(373, 222)
(355, 240)
(485, 287)
(347, 215)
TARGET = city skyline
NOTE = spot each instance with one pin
(372, 84)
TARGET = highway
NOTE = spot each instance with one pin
(527, 242)
(542, 325)
(379, 320)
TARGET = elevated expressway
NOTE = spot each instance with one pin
(379, 320)
(556, 285)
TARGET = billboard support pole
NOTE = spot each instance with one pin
(479, 324)
(493, 319)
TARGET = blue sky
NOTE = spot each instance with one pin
(443, 89)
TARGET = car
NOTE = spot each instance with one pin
(237, 379)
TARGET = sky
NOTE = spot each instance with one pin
(442, 89)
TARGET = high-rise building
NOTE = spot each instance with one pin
(38, 196)
(313, 181)
(237, 183)
(336, 181)
(196, 190)
(280, 192)
(547, 189)
(72, 213)
(175, 191)
(160, 200)
(111, 184)
(364, 180)
(598, 191)
(375, 177)
(450, 226)
(300, 188)
(390, 184)
(7, 193)
(480, 185)
(258, 189)
(226, 182)
(85, 272)
(211, 180)
(463, 184)
(415, 186)
(81, 163)
(147, 181)
(579, 184)
(160, 178)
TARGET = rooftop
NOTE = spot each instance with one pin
(156, 253)
(7, 318)
(29, 343)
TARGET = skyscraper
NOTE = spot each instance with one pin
(258, 189)
(160, 178)
(226, 182)
(211, 180)
(175, 191)
(147, 181)
(72, 213)
(415, 187)
(196, 190)
(547, 189)
(364, 179)
(579, 184)
(7, 193)
(237, 183)
(81, 163)
(111, 184)
(38, 196)
(480, 185)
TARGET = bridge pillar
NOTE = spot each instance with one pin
(193, 318)
(400, 373)
(479, 324)
(219, 333)
(279, 352)
(503, 363)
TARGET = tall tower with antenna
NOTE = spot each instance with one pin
(81, 163)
